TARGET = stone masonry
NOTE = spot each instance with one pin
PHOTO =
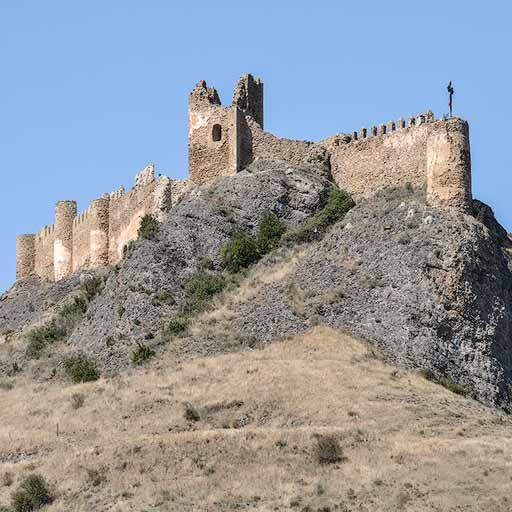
(96, 237)
(430, 155)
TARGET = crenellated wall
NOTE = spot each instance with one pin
(96, 236)
(428, 154)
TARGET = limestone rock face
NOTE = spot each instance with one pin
(431, 287)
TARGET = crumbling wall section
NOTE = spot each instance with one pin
(257, 144)
(148, 196)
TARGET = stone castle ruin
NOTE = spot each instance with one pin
(429, 154)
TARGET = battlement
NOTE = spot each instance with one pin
(430, 155)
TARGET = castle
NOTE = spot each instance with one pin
(430, 155)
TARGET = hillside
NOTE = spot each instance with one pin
(406, 443)
(430, 287)
(270, 346)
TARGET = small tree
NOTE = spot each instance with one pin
(241, 252)
(148, 227)
(32, 494)
(269, 233)
(81, 368)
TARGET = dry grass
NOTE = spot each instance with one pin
(407, 443)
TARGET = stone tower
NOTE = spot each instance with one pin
(217, 144)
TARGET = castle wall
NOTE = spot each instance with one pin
(258, 144)
(44, 241)
(81, 240)
(25, 255)
(148, 196)
(424, 154)
(430, 155)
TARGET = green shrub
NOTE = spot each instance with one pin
(73, 312)
(32, 494)
(269, 234)
(428, 374)
(165, 297)
(81, 368)
(141, 354)
(338, 204)
(91, 287)
(148, 227)
(202, 287)
(177, 326)
(38, 338)
(450, 384)
(241, 252)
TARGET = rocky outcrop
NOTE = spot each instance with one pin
(432, 288)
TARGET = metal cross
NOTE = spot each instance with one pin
(450, 92)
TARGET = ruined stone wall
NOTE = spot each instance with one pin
(44, 253)
(81, 240)
(148, 196)
(98, 235)
(258, 144)
(428, 154)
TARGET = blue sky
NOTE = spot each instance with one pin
(92, 91)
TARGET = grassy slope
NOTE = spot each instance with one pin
(408, 444)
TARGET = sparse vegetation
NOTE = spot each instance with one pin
(338, 204)
(148, 227)
(141, 354)
(328, 449)
(77, 400)
(6, 385)
(81, 368)
(246, 249)
(177, 326)
(96, 477)
(445, 381)
(191, 413)
(7, 479)
(38, 338)
(32, 494)
(450, 384)
(200, 289)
